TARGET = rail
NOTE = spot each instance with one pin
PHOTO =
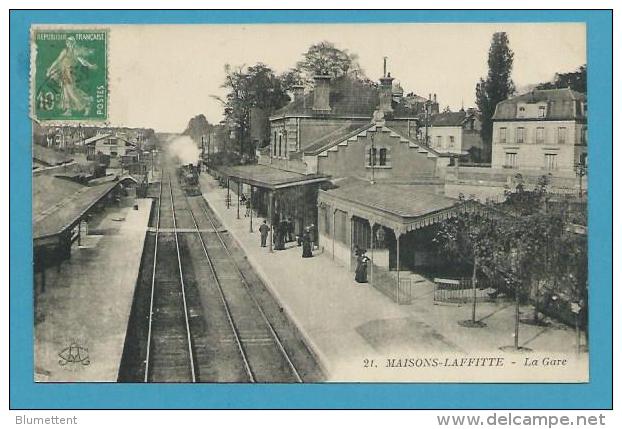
(183, 286)
(235, 330)
(274, 334)
(153, 291)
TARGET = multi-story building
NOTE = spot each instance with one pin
(456, 134)
(543, 130)
(336, 108)
(108, 144)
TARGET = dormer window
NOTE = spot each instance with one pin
(541, 111)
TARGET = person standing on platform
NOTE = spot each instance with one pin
(280, 236)
(306, 244)
(313, 236)
(286, 228)
(248, 207)
(264, 229)
(361, 267)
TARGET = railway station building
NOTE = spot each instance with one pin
(377, 185)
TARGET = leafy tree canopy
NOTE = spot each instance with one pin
(325, 59)
(576, 80)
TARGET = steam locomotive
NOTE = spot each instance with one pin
(188, 175)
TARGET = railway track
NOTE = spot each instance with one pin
(210, 317)
(263, 351)
(170, 356)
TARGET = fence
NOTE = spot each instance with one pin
(386, 282)
(461, 291)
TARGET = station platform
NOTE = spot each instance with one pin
(85, 309)
(360, 335)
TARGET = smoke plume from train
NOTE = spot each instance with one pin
(185, 149)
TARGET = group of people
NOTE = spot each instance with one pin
(246, 202)
(284, 233)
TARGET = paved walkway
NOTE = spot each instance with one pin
(347, 324)
(88, 302)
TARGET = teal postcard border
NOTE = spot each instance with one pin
(597, 394)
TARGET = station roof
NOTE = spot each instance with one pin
(561, 102)
(264, 176)
(404, 207)
(330, 139)
(59, 203)
(349, 97)
(49, 157)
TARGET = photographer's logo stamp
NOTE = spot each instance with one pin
(70, 75)
(74, 356)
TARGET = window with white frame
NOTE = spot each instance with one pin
(540, 135)
(439, 141)
(561, 135)
(550, 161)
(511, 160)
(503, 135)
(520, 135)
(541, 111)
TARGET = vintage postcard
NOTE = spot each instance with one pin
(310, 203)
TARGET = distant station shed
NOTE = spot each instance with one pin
(60, 205)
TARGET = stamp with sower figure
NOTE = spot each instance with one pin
(70, 79)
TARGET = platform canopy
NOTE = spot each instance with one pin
(59, 203)
(264, 176)
(401, 207)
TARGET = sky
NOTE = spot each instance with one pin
(162, 75)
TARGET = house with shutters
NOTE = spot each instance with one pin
(457, 134)
(543, 131)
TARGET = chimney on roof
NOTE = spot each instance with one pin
(386, 94)
(321, 94)
(299, 92)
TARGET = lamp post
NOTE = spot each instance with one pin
(580, 170)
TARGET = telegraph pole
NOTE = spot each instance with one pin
(372, 158)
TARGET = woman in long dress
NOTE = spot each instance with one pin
(361, 268)
(306, 245)
(280, 237)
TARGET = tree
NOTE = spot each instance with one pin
(255, 86)
(469, 237)
(576, 80)
(325, 59)
(497, 86)
(197, 127)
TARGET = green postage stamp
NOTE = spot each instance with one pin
(70, 81)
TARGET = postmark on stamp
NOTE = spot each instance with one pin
(70, 80)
